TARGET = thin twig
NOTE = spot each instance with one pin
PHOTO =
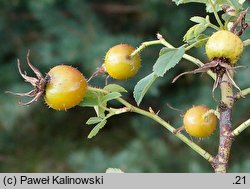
(241, 128)
(216, 14)
(242, 93)
(169, 127)
(162, 41)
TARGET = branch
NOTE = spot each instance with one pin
(220, 162)
(196, 61)
(162, 41)
(196, 43)
(162, 122)
(241, 128)
(242, 93)
(216, 14)
(144, 45)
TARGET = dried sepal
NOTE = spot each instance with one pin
(220, 66)
(38, 83)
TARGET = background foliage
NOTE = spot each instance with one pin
(78, 33)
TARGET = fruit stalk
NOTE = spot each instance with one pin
(241, 128)
(220, 162)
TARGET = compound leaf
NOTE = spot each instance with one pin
(90, 99)
(194, 31)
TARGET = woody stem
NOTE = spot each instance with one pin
(220, 161)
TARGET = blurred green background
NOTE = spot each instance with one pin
(78, 33)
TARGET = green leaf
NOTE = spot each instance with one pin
(234, 3)
(227, 18)
(97, 128)
(114, 170)
(178, 2)
(89, 102)
(164, 50)
(90, 99)
(198, 19)
(110, 96)
(94, 99)
(242, 1)
(100, 110)
(142, 87)
(194, 31)
(168, 60)
(189, 34)
(93, 120)
(199, 29)
(207, 19)
(115, 88)
(201, 39)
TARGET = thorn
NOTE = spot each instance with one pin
(152, 111)
(176, 131)
(159, 36)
